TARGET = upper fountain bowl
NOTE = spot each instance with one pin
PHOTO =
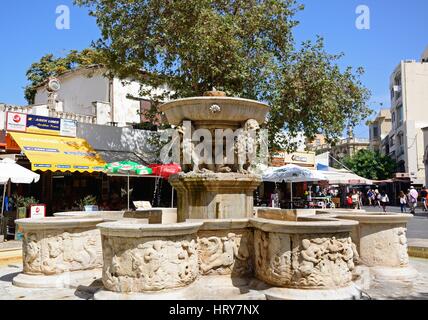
(214, 109)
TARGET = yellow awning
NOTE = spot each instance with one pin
(51, 153)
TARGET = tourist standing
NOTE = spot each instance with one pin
(377, 198)
(424, 194)
(403, 201)
(355, 199)
(384, 200)
(413, 199)
(370, 196)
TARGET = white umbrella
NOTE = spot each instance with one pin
(342, 176)
(292, 173)
(10, 171)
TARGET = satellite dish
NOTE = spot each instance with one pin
(54, 85)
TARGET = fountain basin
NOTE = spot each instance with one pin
(317, 254)
(231, 111)
(381, 238)
(147, 258)
(57, 245)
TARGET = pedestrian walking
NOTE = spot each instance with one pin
(355, 200)
(377, 198)
(403, 201)
(424, 195)
(384, 200)
(370, 196)
(413, 199)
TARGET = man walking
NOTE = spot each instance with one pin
(424, 199)
(413, 195)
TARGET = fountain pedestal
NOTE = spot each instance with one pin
(214, 195)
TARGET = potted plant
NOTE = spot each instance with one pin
(22, 204)
(88, 203)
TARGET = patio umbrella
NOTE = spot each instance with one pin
(10, 171)
(292, 173)
(165, 170)
(127, 168)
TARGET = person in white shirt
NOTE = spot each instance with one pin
(384, 200)
(413, 199)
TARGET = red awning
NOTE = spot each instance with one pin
(165, 170)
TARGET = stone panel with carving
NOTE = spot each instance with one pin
(149, 264)
(224, 252)
(52, 252)
(304, 260)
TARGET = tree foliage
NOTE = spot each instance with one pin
(243, 47)
(49, 66)
(371, 165)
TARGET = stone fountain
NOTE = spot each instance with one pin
(208, 189)
(217, 246)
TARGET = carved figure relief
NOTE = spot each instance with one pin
(147, 264)
(230, 254)
(61, 251)
(303, 261)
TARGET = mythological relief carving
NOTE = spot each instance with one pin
(147, 264)
(230, 254)
(402, 247)
(56, 252)
(304, 261)
(244, 149)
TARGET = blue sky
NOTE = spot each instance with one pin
(398, 30)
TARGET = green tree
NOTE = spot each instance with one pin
(371, 165)
(50, 66)
(243, 47)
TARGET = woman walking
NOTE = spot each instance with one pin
(384, 199)
(403, 201)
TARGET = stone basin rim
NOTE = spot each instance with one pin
(137, 229)
(375, 218)
(317, 226)
(202, 99)
(58, 222)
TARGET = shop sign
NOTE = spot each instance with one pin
(38, 211)
(41, 125)
(68, 128)
(52, 126)
(16, 122)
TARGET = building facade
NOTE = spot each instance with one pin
(409, 114)
(88, 96)
(379, 129)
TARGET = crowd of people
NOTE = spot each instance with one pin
(408, 200)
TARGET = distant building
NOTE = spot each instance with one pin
(345, 147)
(88, 96)
(312, 145)
(379, 129)
(409, 114)
(425, 133)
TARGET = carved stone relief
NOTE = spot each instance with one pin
(226, 252)
(304, 261)
(149, 264)
(55, 252)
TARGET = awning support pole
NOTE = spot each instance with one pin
(4, 195)
(291, 194)
(172, 198)
(128, 192)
